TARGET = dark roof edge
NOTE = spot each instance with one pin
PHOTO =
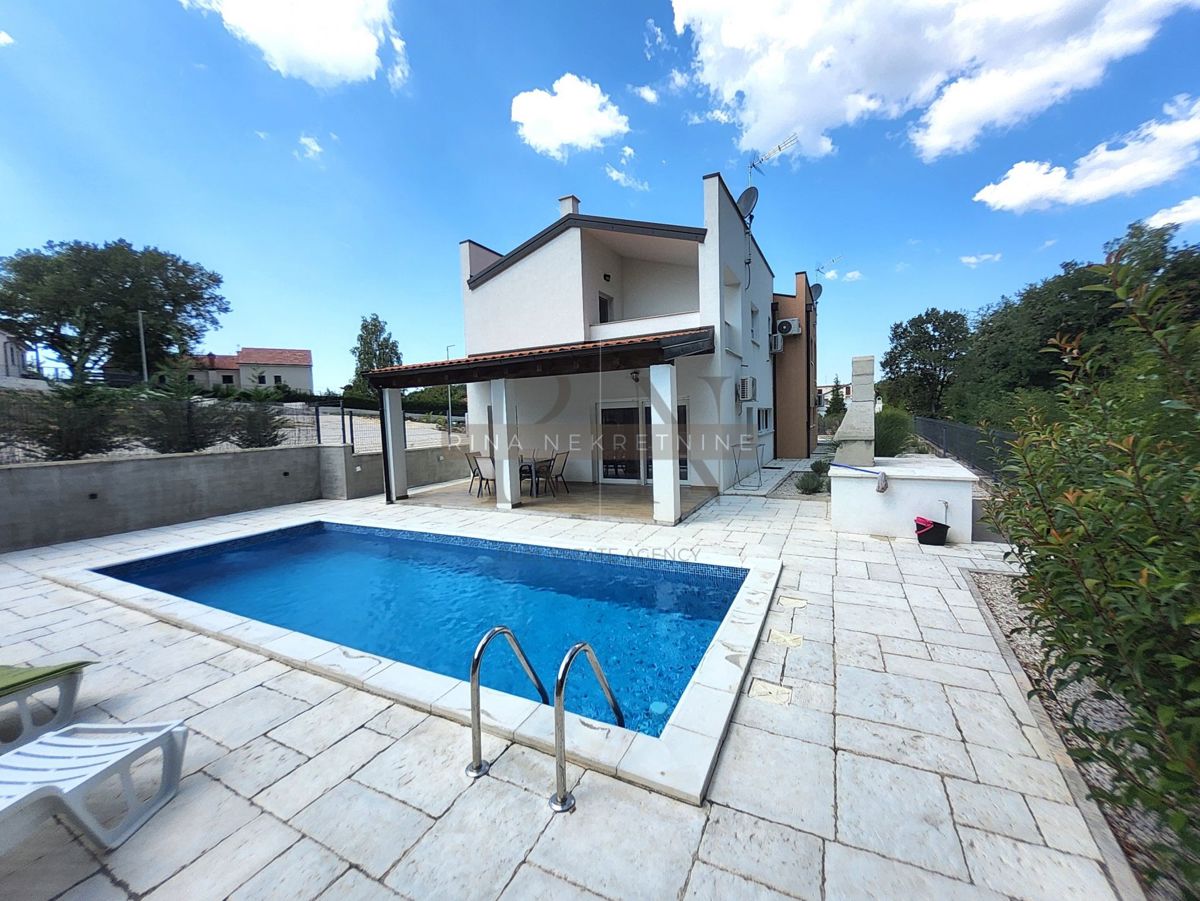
(732, 200)
(579, 220)
(483, 246)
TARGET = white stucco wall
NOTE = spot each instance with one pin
(298, 377)
(534, 302)
(920, 485)
(654, 289)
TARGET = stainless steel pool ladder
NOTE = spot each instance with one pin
(562, 800)
(478, 766)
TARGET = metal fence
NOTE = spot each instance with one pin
(984, 450)
(30, 424)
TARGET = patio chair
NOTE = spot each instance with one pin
(54, 774)
(557, 469)
(19, 684)
(487, 475)
(473, 463)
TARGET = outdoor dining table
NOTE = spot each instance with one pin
(530, 465)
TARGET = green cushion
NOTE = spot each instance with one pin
(13, 678)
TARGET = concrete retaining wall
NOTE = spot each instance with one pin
(46, 503)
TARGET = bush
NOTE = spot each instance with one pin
(893, 430)
(828, 423)
(1102, 505)
(810, 483)
(171, 419)
(258, 425)
(72, 421)
(820, 467)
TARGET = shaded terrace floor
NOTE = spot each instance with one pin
(622, 503)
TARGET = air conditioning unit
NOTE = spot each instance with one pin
(747, 389)
(776, 343)
(788, 327)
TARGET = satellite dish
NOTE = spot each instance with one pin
(816, 292)
(747, 201)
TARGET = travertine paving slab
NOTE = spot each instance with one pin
(246, 716)
(994, 809)
(533, 883)
(1032, 872)
(919, 831)
(47, 863)
(306, 783)
(855, 875)
(354, 886)
(426, 769)
(803, 800)
(784, 859)
(707, 883)
(644, 867)
(894, 700)
(255, 765)
(302, 872)
(474, 849)
(219, 871)
(333, 719)
(367, 828)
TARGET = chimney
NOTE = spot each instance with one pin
(212, 360)
(568, 206)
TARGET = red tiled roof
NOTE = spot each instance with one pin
(252, 356)
(277, 356)
(524, 353)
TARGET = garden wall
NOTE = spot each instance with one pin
(46, 503)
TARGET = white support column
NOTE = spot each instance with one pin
(396, 441)
(664, 443)
(504, 428)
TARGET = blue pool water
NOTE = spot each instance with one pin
(427, 599)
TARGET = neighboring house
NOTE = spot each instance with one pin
(254, 367)
(825, 392)
(796, 372)
(608, 337)
(16, 372)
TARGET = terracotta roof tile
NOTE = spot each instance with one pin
(277, 356)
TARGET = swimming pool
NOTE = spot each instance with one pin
(426, 600)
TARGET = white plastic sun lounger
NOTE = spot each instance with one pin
(19, 685)
(55, 773)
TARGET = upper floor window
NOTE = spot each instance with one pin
(262, 379)
(278, 380)
(606, 308)
(226, 380)
(754, 324)
(764, 419)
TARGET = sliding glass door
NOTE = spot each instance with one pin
(625, 452)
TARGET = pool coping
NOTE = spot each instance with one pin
(679, 763)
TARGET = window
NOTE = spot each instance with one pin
(754, 324)
(226, 380)
(191, 378)
(278, 380)
(764, 419)
(262, 379)
(606, 308)
(847, 391)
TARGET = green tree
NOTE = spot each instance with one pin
(375, 349)
(172, 419)
(71, 421)
(81, 301)
(1101, 507)
(837, 399)
(923, 359)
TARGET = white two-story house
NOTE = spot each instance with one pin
(641, 348)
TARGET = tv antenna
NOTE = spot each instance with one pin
(756, 166)
(823, 266)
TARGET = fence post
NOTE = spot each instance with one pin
(342, 417)
(352, 430)
(317, 414)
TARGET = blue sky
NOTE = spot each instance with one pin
(327, 157)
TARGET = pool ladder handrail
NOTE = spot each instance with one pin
(562, 800)
(478, 766)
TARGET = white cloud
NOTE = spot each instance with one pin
(6, 39)
(853, 275)
(653, 39)
(1048, 243)
(646, 92)
(902, 266)
(831, 275)
(262, 135)
(627, 153)
(1153, 153)
(966, 66)
(309, 149)
(624, 179)
(975, 259)
(679, 80)
(574, 114)
(1186, 212)
(323, 42)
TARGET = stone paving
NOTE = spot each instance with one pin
(881, 746)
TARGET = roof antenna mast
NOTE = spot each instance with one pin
(756, 166)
